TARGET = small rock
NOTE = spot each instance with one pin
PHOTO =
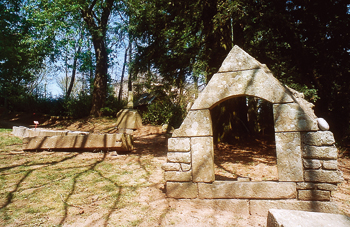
(322, 124)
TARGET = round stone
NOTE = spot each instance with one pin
(322, 124)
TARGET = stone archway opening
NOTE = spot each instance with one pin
(244, 140)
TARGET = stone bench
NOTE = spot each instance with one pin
(24, 132)
(113, 142)
(296, 218)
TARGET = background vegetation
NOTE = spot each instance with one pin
(181, 43)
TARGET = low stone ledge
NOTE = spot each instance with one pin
(178, 176)
(261, 207)
(181, 190)
(179, 157)
(319, 138)
(323, 152)
(247, 190)
(179, 144)
(314, 195)
(294, 218)
(119, 142)
(324, 176)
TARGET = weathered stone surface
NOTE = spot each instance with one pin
(178, 190)
(306, 185)
(324, 152)
(319, 138)
(312, 163)
(238, 60)
(261, 207)
(326, 176)
(322, 124)
(128, 119)
(179, 157)
(316, 195)
(19, 131)
(330, 164)
(203, 159)
(178, 176)
(293, 218)
(179, 144)
(255, 82)
(120, 142)
(185, 167)
(247, 190)
(168, 166)
(329, 187)
(196, 123)
(291, 117)
(236, 206)
(288, 150)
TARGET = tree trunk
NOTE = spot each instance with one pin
(100, 82)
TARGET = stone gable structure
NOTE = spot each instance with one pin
(305, 150)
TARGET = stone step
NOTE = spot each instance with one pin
(113, 142)
(294, 218)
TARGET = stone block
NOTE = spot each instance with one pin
(312, 163)
(185, 167)
(236, 206)
(196, 123)
(168, 166)
(121, 142)
(128, 119)
(323, 152)
(306, 185)
(256, 82)
(179, 144)
(19, 131)
(330, 164)
(314, 195)
(329, 187)
(324, 176)
(294, 218)
(247, 190)
(203, 159)
(291, 117)
(179, 157)
(289, 161)
(320, 138)
(178, 176)
(181, 190)
(261, 207)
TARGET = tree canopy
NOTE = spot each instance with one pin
(304, 43)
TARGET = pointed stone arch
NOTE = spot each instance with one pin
(189, 171)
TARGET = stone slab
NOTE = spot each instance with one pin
(181, 190)
(314, 195)
(128, 119)
(324, 176)
(203, 159)
(196, 123)
(321, 186)
(312, 163)
(256, 82)
(323, 152)
(179, 144)
(289, 161)
(291, 117)
(247, 190)
(261, 207)
(120, 142)
(178, 176)
(294, 218)
(168, 166)
(320, 138)
(181, 157)
(330, 164)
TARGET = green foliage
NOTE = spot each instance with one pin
(163, 111)
(113, 105)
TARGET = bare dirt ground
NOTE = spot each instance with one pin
(111, 189)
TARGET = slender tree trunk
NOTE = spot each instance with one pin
(100, 83)
(122, 77)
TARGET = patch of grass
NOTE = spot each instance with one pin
(6, 139)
